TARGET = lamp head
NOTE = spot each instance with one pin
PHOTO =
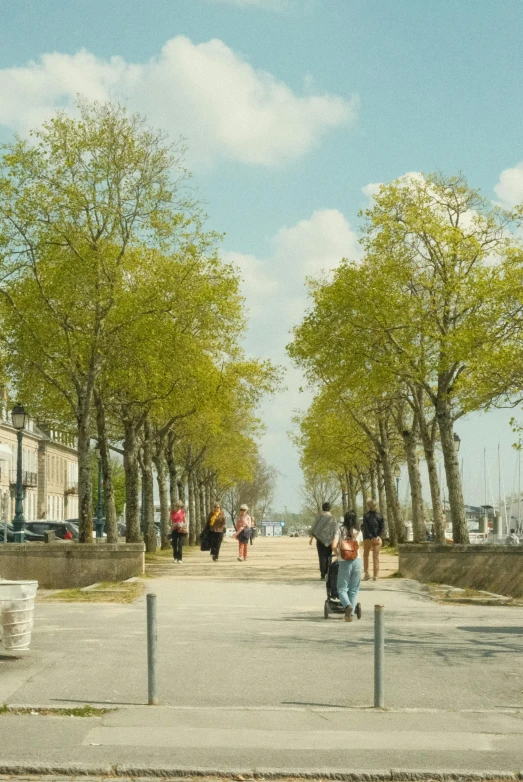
(397, 472)
(18, 416)
(457, 441)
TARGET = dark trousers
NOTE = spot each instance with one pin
(325, 557)
(216, 542)
(177, 542)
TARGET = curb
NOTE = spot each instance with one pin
(156, 772)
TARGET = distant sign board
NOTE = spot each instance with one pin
(272, 528)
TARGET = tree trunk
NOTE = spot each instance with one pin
(85, 488)
(344, 494)
(174, 495)
(182, 489)
(382, 502)
(428, 438)
(208, 494)
(160, 463)
(197, 504)
(396, 525)
(363, 489)
(148, 490)
(111, 527)
(372, 474)
(352, 493)
(428, 433)
(390, 527)
(130, 462)
(203, 503)
(460, 532)
(191, 510)
(416, 490)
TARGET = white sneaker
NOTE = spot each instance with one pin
(240, 559)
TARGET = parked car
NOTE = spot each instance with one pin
(60, 528)
(29, 537)
(122, 529)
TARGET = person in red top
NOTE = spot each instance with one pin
(244, 528)
(178, 530)
(68, 535)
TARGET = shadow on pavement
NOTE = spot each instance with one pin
(493, 630)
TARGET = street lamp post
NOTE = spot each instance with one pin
(99, 506)
(397, 475)
(457, 442)
(18, 416)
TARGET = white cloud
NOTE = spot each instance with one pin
(509, 189)
(373, 188)
(370, 190)
(208, 93)
(257, 282)
(315, 245)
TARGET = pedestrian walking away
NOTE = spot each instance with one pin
(244, 525)
(216, 522)
(323, 531)
(512, 539)
(178, 530)
(372, 529)
(346, 548)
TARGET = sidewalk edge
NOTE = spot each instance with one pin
(159, 772)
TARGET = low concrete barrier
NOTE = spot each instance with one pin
(496, 569)
(70, 565)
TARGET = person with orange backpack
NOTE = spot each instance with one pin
(346, 547)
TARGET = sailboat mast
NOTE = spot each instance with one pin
(485, 479)
(519, 486)
(499, 488)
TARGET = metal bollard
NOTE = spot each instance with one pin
(152, 636)
(379, 654)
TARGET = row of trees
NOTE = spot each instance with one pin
(399, 345)
(119, 320)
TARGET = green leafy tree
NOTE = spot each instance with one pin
(77, 203)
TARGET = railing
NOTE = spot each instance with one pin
(28, 478)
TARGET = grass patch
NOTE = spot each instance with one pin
(108, 592)
(77, 711)
(159, 555)
(390, 550)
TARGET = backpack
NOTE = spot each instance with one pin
(349, 549)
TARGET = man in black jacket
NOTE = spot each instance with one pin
(324, 531)
(372, 530)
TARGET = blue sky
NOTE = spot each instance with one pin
(291, 109)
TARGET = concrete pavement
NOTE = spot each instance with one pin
(291, 741)
(252, 677)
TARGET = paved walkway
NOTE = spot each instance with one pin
(252, 676)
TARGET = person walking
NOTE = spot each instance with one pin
(243, 532)
(346, 548)
(372, 529)
(512, 539)
(178, 530)
(323, 531)
(216, 522)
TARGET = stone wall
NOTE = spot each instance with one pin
(69, 565)
(492, 568)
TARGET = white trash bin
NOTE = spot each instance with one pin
(17, 601)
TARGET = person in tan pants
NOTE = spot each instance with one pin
(372, 530)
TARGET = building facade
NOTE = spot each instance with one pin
(49, 472)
